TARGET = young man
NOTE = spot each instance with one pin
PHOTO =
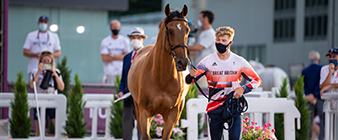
(113, 48)
(206, 40)
(39, 41)
(223, 70)
(137, 38)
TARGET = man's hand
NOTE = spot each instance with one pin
(193, 72)
(324, 89)
(119, 95)
(331, 68)
(238, 92)
(37, 55)
(310, 98)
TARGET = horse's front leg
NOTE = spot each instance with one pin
(143, 121)
(170, 121)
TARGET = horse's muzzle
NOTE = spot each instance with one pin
(181, 64)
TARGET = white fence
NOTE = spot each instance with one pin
(257, 106)
(58, 102)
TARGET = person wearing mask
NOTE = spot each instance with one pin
(44, 67)
(113, 48)
(205, 44)
(224, 70)
(39, 41)
(137, 38)
(312, 92)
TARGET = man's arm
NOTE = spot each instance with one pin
(57, 54)
(110, 58)
(328, 76)
(28, 53)
(197, 47)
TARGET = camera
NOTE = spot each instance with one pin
(192, 27)
(48, 66)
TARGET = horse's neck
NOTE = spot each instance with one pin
(163, 64)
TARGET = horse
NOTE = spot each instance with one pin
(156, 79)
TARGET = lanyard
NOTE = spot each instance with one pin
(38, 37)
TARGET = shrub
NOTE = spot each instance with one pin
(19, 121)
(75, 127)
(116, 111)
(303, 108)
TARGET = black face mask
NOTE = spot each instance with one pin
(222, 48)
(115, 32)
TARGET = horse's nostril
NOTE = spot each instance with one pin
(180, 62)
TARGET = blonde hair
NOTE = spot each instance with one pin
(49, 54)
(225, 30)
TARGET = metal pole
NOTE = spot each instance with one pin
(37, 108)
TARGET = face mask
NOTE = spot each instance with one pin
(199, 23)
(334, 61)
(115, 32)
(136, 43)
(222, 48)
(42, 27)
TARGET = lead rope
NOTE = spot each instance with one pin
(234, 107)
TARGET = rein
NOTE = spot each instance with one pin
(169, 19)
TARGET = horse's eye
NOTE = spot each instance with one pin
(171, 32)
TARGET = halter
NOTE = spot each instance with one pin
(169, 19)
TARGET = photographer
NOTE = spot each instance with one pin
(48, 80)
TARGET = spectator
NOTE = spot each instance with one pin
(41, 40)
(46, 65)
(205, 43)
(137, 38)
(312, 91)
(113, 48)
(224, 70)
(206, 40)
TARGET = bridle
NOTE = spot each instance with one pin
(169, 19)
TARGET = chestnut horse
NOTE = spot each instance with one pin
(156, 79)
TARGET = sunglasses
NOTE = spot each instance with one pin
(45, 52)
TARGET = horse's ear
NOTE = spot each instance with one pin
(184, 11)
(167, 10)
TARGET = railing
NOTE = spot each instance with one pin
(94, 101)
(331, 115)
(256, 107)
(58, 102)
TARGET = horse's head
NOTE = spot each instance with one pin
(176, 32)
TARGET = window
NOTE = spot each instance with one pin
(284, 20)
(315, 25)
(284, 29)
(257, 52)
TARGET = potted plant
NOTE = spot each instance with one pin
(157, 126)
(75, 127)
(303, 108)
(279, 118)
(116, 111)
(19, 121)
(252, 132)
